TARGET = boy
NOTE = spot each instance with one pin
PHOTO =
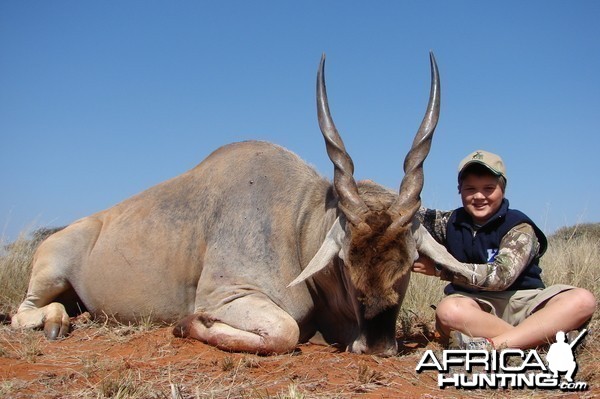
(499, 298)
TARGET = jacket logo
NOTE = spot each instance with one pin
(491, 254)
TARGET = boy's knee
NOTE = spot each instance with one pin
(450, 312)
(586, 302)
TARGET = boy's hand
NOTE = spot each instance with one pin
(425, 265)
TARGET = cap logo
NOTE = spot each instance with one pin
(478, 155)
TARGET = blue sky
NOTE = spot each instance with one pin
(101, 100)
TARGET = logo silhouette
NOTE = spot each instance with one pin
(560, 355)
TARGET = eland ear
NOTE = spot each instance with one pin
(331, 246)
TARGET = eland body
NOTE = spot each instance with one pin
(252, 250)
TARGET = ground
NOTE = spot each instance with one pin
(107, 361)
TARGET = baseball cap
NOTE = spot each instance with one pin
(492, 161)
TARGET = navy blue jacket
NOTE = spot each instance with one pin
(483, 247)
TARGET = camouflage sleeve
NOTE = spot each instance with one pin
(517, 249)
(435, 222)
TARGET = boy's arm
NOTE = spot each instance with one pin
(517, 248)
(435, 222)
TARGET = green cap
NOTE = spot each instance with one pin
(492, 161)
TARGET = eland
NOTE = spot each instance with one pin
(252, 250)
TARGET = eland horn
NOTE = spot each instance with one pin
(350, 202)
(409, 199)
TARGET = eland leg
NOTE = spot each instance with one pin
(252, 324)
(53, 265)
(38, 309)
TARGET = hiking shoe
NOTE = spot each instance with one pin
(462, 341)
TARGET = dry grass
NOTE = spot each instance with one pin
(573, 257)
(15, 263)
(15, 267)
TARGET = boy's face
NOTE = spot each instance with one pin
(481, 196)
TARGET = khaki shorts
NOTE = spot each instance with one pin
(513, 306)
